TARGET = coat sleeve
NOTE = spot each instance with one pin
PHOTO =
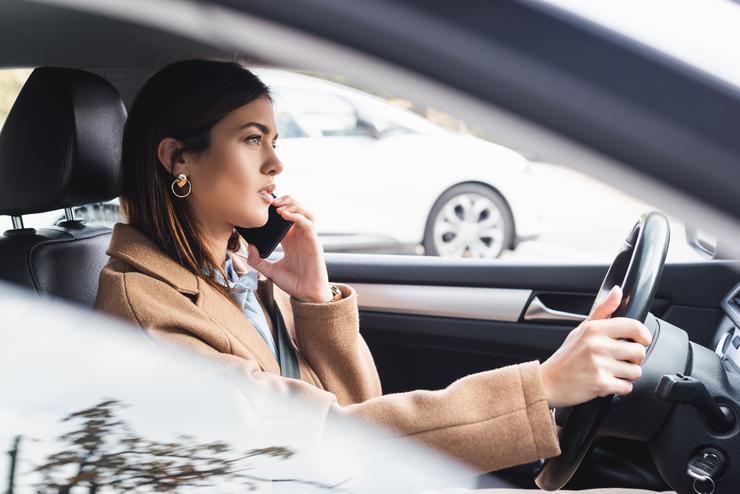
(328, 336)
(490, 420)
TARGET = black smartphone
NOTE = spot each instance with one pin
(267, 237)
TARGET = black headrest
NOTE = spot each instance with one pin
(61, 143)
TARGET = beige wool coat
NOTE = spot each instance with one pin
(490, 420)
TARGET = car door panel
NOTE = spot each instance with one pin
(426, 322)
(408, 333)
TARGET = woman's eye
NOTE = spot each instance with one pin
(254, 139)
(274, 145)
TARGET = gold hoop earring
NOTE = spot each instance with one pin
(181, 181)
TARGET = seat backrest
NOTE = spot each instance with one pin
(60, 147)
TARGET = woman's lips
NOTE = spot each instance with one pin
(266, 196)
(266, 193)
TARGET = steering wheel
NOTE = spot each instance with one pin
(637, 269)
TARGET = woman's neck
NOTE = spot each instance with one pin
(217, 240)
(217, 235)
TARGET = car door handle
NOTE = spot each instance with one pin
(538, 311)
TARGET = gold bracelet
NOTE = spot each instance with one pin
(336, 293)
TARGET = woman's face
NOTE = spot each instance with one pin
(232, 180)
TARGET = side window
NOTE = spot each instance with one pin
(386, 119)
(320, 113)
(11, 82)
(287, 126)
(386, 126)
(428, 183)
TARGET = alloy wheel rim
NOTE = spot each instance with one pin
(469, 225)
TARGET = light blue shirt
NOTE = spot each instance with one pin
(243, 291)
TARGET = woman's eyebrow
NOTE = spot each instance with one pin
(262, 127)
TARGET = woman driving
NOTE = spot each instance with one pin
(198, 160)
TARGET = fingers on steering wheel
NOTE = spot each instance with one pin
(628, 351)
(617, 386)
(623, 370)
(625, 328)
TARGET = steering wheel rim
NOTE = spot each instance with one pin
(637, 269)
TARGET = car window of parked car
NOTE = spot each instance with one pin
(289, 128)
(320, 112)
(383, 117)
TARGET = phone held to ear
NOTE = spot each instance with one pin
(267, 237)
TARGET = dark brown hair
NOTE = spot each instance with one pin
(183, 100)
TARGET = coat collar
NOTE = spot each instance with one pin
(133, 247)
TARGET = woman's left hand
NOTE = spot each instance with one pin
(302, 271)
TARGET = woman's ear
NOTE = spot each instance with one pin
(171, 157)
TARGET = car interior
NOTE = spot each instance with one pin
(428, 321)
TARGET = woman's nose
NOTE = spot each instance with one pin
(273, 166)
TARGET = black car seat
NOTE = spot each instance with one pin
(60, 147)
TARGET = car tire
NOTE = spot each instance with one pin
(469, 220)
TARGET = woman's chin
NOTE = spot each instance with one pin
(254, 221)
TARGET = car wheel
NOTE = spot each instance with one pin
(469, 220)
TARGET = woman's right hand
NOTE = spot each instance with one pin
(595, 360)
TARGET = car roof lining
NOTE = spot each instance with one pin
(61, 37)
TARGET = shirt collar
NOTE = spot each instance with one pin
(240, 284)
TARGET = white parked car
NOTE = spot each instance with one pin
(378, 178)
(343, 149)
